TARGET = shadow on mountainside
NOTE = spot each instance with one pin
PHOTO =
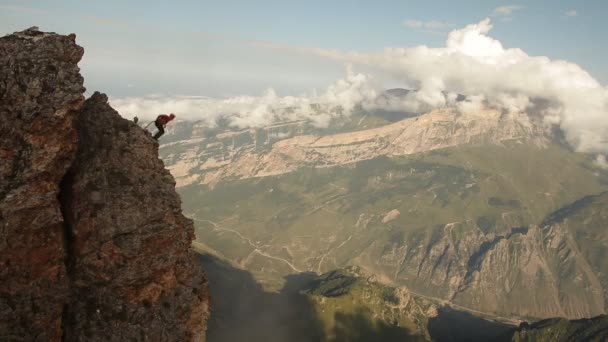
(451, 326)
(242, 311)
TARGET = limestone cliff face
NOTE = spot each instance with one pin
(442, 128)
(528, 271)
(503, 272)
(94, 246)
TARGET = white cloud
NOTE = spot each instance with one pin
(506, 10)
(571, 13)
(601, 162)
(430, 25)
(473, 63)
(339, 99)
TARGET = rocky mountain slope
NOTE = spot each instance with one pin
(351, 305)
(578, 231)
(94, 246)
(254, 153)
(562, 330)
(452, 206)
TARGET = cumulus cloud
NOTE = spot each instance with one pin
(475, 64)
(339, 99)
(471, 63)
(506, 10)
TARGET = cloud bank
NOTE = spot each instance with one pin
(339, 99)
(470, 63)
(478, 65)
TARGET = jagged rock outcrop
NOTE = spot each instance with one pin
(40, 96)
(527, 272)
(501, 276)
(94, 247)
(130, 263)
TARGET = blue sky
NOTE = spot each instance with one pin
(134, 48)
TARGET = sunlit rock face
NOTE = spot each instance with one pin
(284, 148)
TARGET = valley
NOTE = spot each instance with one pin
(469, 212)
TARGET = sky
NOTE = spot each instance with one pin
(134, 48)
(249, 60)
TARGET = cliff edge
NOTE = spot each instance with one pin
(93, 242)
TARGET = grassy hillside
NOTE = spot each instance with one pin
(453, 205)
(559, 329)
(492, 188)
(353, 308)
(341, 305)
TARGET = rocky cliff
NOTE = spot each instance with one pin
(94, 245)
(245, 154)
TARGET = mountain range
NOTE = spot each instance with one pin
(488, 212)
(389, 226)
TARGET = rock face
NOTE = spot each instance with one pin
(240, 155)
(530, 272)
(502, 272)
(94, 246)
(40, 95)
(131, 268)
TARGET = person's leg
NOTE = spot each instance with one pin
(160, 132)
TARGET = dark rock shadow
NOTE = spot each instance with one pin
(243, 311)
(452, 326)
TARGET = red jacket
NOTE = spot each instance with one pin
(163, 119)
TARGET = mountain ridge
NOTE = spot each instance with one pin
(437, 129)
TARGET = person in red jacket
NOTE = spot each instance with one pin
(161, 121)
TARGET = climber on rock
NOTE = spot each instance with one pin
(161, 121)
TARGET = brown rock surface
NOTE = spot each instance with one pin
(40, 95)
(132, 270)
(120, 267)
